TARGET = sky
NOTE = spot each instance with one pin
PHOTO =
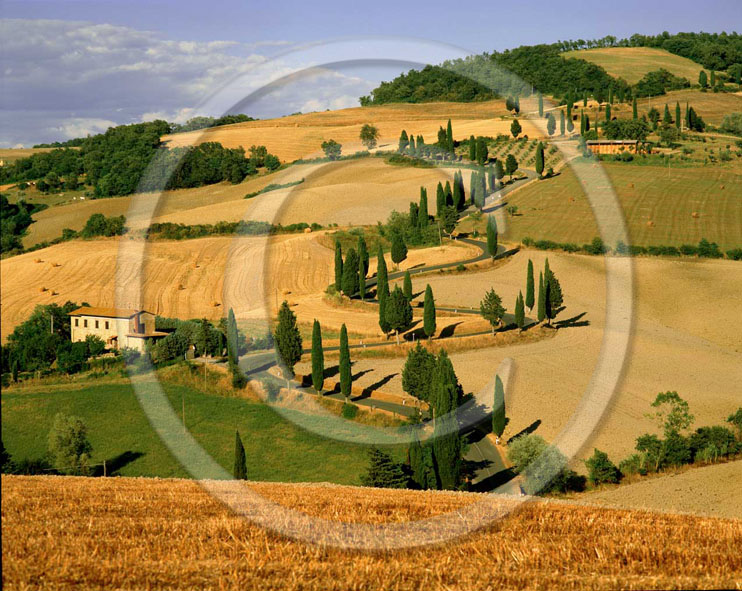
(73, 67)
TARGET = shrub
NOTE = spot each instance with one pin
(601, 470)
(595, 247)
(634, 464)
(349, 411)
(383, 471)
(69, 448)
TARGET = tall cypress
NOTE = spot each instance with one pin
(677, 114)
(444, 395)
(540, 159)
(561, 122)
(403, 141)
(458, 200)
(232, 338)
(422, 212)
(541, 298)
(530, 296)
(520, 314)
(440, 200)
(582, 123)
(498, 408)
(448, 193)
(350, 274)
(318, 357)
(338, 266)
(634, 111)
(361, 279)
(492, 236)
(666, 119)
(287, 339)
(363, 253)
(540, 105)
(449, 136)
(472, 148)
(240, 462)
(429, 323)
(407, 286)
(584, 99)
(345, 374)
(382, 290)
(608, 112)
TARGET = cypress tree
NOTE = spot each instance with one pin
(582, 123)
(520, 314)
(447, 453)
(14, 370)
(677, 114)
(318, 357)
(666, 119)
(407, 286)
(448, 193)
(232, 338)
(445, 389)
(548, 307)
(449, 136)
(550, 124)
(561, 122)
(608, 112)
(530, 299)
(634, 111)
(440, 200)
(570, 104)
(382, 289)
(687, 116)
(499, 171)
(498, 408)
(492, 236)
(540, 105)
(540, 159)
(713, 78)
(472, 148)
(610, 95)
(412, 145)
(702, 79)
(570, 124)
(403, 141)
(414, 223)
(584, 99)
(417, 466)
(458, 198)
(240, 462)
(350, 274)
(422, 213)
(346, 379)
(399, 249)
(587, 122)
(472, 186)
(287, 339)
(338, 266)
(429, 323)
(541, 298)
(361, 279)
(363, 253)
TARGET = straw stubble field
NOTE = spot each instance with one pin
(63, 532)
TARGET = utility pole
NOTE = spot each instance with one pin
(51, 318)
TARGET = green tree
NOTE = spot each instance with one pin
(363, 253)
(407, 286)
(447, 452)
(382, 290)
(550, 124)
(287, 340)
(677, 114)
(556, 298)
(449, 136)
(232, 341)
(515, 128)
(429, 321)
(713, 78)
(584, 99)
(361, 279)
(499, 171)
(346, 378)
(472, 148)
(369, 136)
(449, 217)
(540, 159)
(399, 249)
(445, 392)
(482, 151)
(672, 414)
(417, 373)
(240, 461)
(422, 465)
(530, 300)
(601, 470)
(540, 105)
(440, 200)
(666, 118)
(520, 313)
(562, 123)
(608, 112)
(735, 419)
(491, 309)
(583, 128)
(651, 448)
(404, 141)
(338, 267)
(332, 149)
(511, 165)
(492, 236)
(318, 358)
(422, 213)
(69, 448)
(398, 312)
(498, 409)
(541, 315)
(383, 471)
(350, 273)
(634, 112)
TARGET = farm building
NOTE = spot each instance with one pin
(117, 328)
(613, 146)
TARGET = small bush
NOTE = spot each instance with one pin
(349, 411)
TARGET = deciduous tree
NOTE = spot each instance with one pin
(515, 128)
(399, 249)
(491, 309)
(369, 136)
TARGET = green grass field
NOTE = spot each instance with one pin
(277, 450)
(557, 209)
(632, 63)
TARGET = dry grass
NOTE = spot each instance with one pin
(300, 136)
(632, 63)
(61, 533)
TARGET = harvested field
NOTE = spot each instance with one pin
(712, 490)
(300, 136)
(138, 533)
(632, 63)
(558, 210)
(673, 347)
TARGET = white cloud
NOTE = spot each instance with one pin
(83, 126)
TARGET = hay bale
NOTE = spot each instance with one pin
(56, 265)
(722, 187)
(695, 214)
(180, 287)
(42, 289)
(38, 261)
(309, 230)
(631, 185)
(215, 304)
(650, 224)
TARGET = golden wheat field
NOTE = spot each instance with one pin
(63, 533)
(300, 136)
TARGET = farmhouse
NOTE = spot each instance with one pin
(613, 146)
(117, 328)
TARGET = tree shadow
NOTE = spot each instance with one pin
(575, 321)
(360, 374)
(116, 463)
(448, 331)
(366, 393)
(492, 482)
(528, 430)
(331, 372)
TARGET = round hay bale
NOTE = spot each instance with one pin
(695, 214)
(631, 185)
(309, 230)
(42, 289)
(215, 304)
(38, 261)
(181, 287)
(650, 224)
(722, 187)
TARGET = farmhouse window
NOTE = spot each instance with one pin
(77, 322)
(106, 324)
(96, 324)
(85, 323)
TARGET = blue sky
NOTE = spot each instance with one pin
(72, 67)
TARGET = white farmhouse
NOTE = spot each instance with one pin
(117, 328)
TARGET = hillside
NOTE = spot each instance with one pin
(711, 490)
(632, 63)
(137, 533)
